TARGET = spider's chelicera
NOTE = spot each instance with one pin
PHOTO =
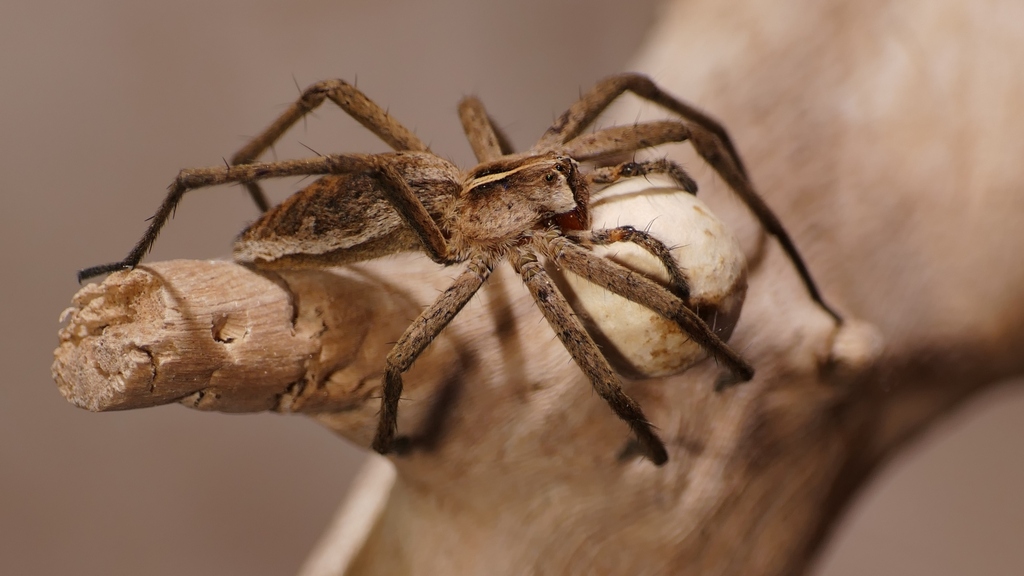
(512, 207)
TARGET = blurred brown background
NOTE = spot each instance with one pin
(102, 102)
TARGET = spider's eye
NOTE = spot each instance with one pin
(550, 177)
(559, 168)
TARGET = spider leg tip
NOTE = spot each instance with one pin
(658, 455)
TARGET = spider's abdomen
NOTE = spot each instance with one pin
(347, 218)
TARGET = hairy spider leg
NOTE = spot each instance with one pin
(417, 336)
(621, 139)
(611, 174)
(349, 99)
(678, 284)
(708, 136)
(586, 354)
(394, 187)
(639, 289)
(584, 111)
(485, 138)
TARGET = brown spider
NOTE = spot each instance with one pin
(511, 207)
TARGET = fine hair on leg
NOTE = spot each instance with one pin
(417, 336)
(586, 354)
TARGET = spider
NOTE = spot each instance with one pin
(510, 207)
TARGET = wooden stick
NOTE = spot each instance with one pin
(219, 336)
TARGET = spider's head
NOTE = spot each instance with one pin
(509, 197)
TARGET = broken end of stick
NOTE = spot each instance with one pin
(95, 366)
(215, 335)
(221, 336)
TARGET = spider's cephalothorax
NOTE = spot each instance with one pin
(518, 208)
(503, 201)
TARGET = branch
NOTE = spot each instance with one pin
(219, 336)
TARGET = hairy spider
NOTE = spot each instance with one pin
(510, 207)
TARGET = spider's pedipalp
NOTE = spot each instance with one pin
(632, 169)
(677, 279)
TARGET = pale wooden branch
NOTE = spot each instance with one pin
(209, 334)
(218, 336)
(510, 447)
